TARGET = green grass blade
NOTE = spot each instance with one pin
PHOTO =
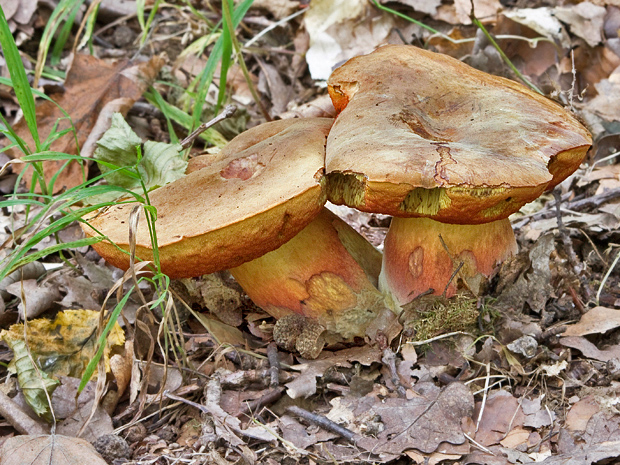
(101, 342)
(209, 70)
(19, 78)
(60, 13)
(63, 36)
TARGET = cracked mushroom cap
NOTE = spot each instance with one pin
(455, 144)
(262, 189)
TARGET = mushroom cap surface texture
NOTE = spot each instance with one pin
(421, 134)
(263, 188)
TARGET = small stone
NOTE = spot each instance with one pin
(525, 345)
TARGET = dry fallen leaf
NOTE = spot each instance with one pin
(590, 350)
(597, 321)
(48, 450)
(94, 90)
(340, 30)
(580, 413)
(67, 344)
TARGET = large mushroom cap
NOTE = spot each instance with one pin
(422, 134)
(263, 188)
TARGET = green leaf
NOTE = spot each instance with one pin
(36, 385)
(118, 147)
(161, 164)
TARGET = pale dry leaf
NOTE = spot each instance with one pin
(341, 30)
(515, 438)
(596, 453)
(485, 10)
(295, 432)
(598, 320)
(121, 367)
(9, 7)
(543, 21)
(79, 292)
(24, 13)
(38, 297)
(589, 349)
(607, 103)
(423, 6)
(320, 107)
(584, 20)
(423, 422)
(48, 450)
(75, 412)
(271, 83)
(532, 286)
(278, 8)
(222, 332)
(305, 384)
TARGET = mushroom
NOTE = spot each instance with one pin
(253, 209)
(450, 152)
(264, 187)
(328, 273)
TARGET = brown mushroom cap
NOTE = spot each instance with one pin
(264, 187)
(421, 134)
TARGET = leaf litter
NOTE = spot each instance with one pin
(535, 380)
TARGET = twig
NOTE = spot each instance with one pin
(478, 445)
(273, 26)
(255, 405)
(484, 397)
(324, 423)
(576, 205)
(389, 360)
(568, 248)
(274, 365)
(227, 112)
(436, 338)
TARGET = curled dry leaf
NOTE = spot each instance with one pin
(94, 90)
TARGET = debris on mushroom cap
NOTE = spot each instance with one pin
(264, 187)
(327, 272)
(418, 260)
(455, 144)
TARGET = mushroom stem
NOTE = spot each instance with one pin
(421, 254)
(328, 272)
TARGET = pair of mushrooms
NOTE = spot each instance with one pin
(447, 150)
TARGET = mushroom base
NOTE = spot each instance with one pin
(328, 272)
(421, 254)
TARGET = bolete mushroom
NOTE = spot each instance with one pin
(447, 150)
(264, 187)
(253, 209)
(328, 273)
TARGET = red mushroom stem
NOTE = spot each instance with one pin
(327, 272)
(421, 254)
